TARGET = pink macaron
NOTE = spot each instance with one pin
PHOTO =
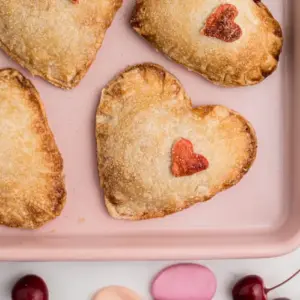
(116, 293)
(184, 282)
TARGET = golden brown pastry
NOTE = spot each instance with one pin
(55, 39)
(156, 154)
(32, 190)
(231, 43)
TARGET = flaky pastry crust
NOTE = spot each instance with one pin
(142, 113)
(55, 39)
(176, 29)
(32, 189)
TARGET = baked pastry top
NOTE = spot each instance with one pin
(156, 154)
(55, 39)
(231, 43)
(32, 189)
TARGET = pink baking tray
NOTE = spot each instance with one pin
(258, 217)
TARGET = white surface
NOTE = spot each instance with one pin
(79, 281)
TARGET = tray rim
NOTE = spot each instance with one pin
(118, 248)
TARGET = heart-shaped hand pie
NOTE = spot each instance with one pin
(57, 40)
(233, 44)
(32, 190)
(148, 135)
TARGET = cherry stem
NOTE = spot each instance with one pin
(282, 283)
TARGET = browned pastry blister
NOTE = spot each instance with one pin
(231, 43)
(55, 39)
(32, 189)
(142, 114)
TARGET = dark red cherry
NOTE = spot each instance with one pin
(249, 288)
(252, 288)
(30, 287)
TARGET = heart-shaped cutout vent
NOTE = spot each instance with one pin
(185, 161)
(221, 24)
